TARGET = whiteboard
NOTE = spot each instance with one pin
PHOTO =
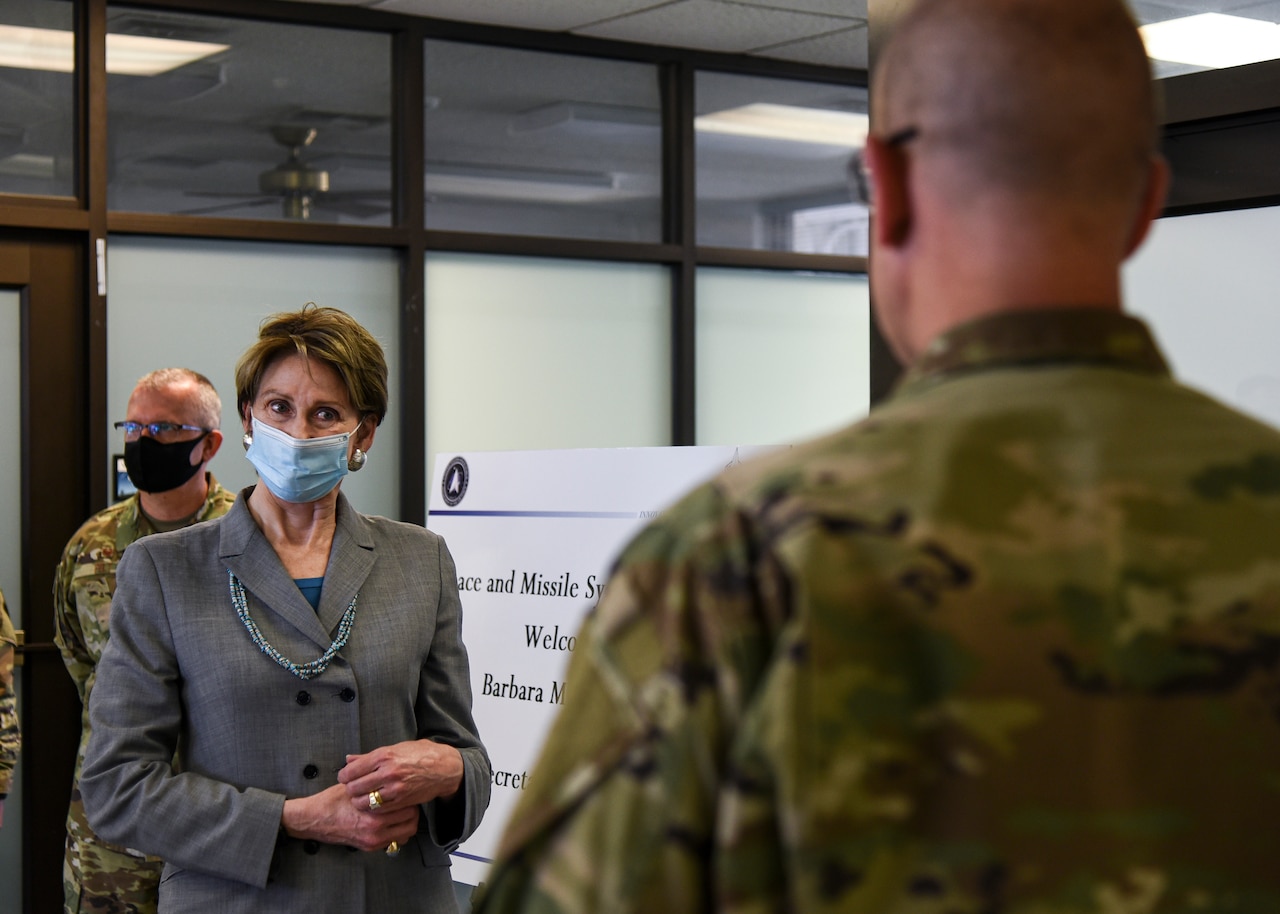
(533, 534)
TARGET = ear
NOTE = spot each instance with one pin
(209, 446)
(891, 215)
(368, 428)
(1153, 197)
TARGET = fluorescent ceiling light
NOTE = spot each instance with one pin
(137, 55)
(584, 117)
(25, 165)
(525, 184)
(1212, 40)
(132, 55)
(787, 122)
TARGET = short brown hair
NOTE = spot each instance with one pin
(328, 335)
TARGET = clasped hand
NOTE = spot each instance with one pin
(404, 775)
(328, 816)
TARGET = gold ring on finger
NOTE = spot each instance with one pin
(392, 849)
(375, 799)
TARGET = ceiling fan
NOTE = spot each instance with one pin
(298, 186)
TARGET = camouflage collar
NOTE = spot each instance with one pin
(134, 525)
(1089, 335)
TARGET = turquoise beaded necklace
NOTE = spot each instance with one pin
(304, 670)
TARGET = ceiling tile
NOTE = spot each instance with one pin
(846, 48)
(1267, 11)
(1192, 7)
(548, 15)
(793, 27)
(852, 9)
(715, 25)
(1147, 13)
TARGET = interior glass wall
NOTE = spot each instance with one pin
(1207, 286)
(772, 164)
(780, 356)
(11, 868)
(526, 353)
(197, 304)
(250, 119)
(37, 97)
(533, 143)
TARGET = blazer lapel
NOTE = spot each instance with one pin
(250, 558)
(350, 560)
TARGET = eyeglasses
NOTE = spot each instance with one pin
(859, 184)
(161, 431)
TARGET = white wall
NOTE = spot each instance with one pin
(1209, 286)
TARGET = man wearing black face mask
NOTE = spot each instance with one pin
(170, 435)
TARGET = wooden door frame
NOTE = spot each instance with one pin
(59, 409)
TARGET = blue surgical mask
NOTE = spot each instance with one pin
(298, 469)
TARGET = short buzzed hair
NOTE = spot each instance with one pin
(207, 403)
(1036, 97)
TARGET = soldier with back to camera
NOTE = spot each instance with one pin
(1012, 643)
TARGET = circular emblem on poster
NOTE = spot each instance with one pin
(454, 483)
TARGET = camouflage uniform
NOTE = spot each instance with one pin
(10, 735)
(1012, 644)
(99, 876)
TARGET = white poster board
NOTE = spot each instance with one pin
(533, 534)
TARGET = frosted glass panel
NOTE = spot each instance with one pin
(781, 356)
(198, 304)
(1207, 285)
(11, 554)
(526, 353)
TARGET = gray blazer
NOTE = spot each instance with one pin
(197, 737)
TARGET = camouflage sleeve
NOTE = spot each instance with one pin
(68, 632)
(10, 735)
(619, 813)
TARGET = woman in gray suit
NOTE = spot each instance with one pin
(283, 711)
